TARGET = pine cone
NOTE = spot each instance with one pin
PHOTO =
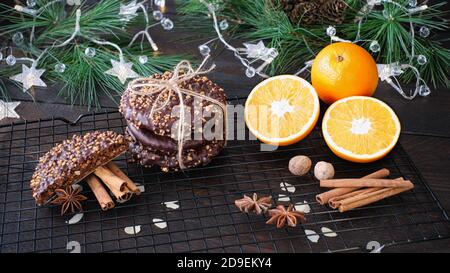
(333, 11)
(311, 12)
(304, 13)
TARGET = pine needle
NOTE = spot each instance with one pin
(296, 44)
(84, 79)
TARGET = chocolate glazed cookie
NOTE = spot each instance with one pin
(72, 160)
(153, 140)
(148, 156)
(162, 143)
(136, 108)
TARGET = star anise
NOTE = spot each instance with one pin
(69, 198)
(280, 216)
(248, 204)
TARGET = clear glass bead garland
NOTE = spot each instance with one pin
(412, 3)
(421, 59)
(121, 68)
(90, 52)
(424, 90)
(160, 3)
(17, 38)
(31, 3)
(166, 23)
(424, 32)
(389, 72)
(60, 67)
(331, 31)
(157, 15)
(250, 72)
(143, 59)
(204, 50)
(374, 46)
(249, 56)
(11, 60)
(223, 24)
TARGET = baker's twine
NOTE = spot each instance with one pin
(182, 72)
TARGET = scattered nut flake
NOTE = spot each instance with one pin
(77, 186)
(75, 219)
(171, 204)
(160, 223)
(132, 230)
(328, 232)
(283, 198)
(140, 187)
(73, 247)
(312, 235)
(303, 207)
(287, 187)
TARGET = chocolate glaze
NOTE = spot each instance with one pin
(136, 108)
(73, 159)
(149, 156)
(162, 143)
(151, 140)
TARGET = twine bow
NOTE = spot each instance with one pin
(182, 72)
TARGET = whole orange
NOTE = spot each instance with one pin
(342, 70)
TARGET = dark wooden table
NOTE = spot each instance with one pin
(425, 121)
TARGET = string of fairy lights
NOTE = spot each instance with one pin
(31, 76)
(255, 57)
(249, 56)
(389, 73)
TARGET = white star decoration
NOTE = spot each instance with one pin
(386, 71)
(128, 11)
(122, 70)
(255, 51)
(7, 109)
(29, 77)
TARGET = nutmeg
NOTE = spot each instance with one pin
(299, 165)
(323, 170)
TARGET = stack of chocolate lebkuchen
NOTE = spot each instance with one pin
(153, 120)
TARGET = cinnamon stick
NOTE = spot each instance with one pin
(117, 171)
(125, 196)
(115, 184)
(100, 193)
(110, 179)
(365, 182)
(335, 202)
(373, 197)
(324, 197)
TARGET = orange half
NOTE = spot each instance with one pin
(282, 110)
(360, 129)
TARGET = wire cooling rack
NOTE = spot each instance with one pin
(204, 218)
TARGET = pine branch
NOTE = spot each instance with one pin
(260, 20)
(3, 91)
(296, 43)
(84, 78)
(394, 36)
